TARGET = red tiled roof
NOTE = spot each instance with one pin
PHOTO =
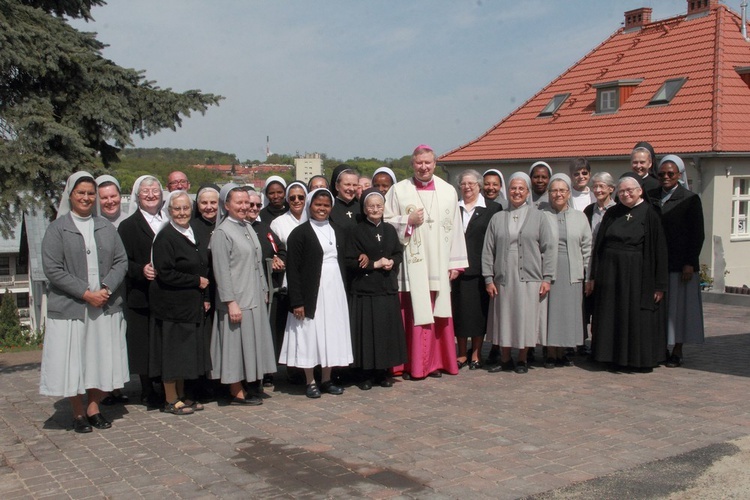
(710, 113)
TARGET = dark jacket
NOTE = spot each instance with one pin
(474, 236)
(175, 294)
(304, 264)
(682, 219)
(363, 239)
(137, 238)
(654, 275)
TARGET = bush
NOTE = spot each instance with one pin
(12, 333)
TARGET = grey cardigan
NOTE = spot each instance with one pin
(537, 248)
(578, 241)
(64, 264)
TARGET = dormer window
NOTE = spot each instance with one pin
(611, 95)
(554, 105)
(667, 91)
(744, 72)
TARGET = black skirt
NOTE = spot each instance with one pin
(137, 336)
(178, 351)
(470, 303)
(378, 338)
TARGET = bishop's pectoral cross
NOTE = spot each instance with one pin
(378, 237)
(349, 214)
(629, 216)
(515, 218)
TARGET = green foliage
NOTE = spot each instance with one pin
(159, 162)
(11, 331)
(64, 107)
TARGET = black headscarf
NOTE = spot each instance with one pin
(335, 177)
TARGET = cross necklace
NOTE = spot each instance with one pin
(429, 220)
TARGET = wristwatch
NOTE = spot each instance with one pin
(105, 287)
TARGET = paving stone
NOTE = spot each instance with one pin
(473, 435)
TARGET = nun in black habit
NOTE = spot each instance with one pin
(378, 338)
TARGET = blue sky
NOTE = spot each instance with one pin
(353, 77)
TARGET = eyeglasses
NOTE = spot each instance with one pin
(555, 192)
(181, 182)
(667, 174)
(255, 205)
(146, 192)
(185, 208)
(468, 184)
(374, 207)
(628, 191)
(297, 197)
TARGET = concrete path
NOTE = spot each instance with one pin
(568, 432)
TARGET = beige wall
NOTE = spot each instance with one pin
(306, 168)
(711, 182)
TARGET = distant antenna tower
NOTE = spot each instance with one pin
(268, 147)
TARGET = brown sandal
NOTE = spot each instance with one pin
(177, 408)
(195, 405)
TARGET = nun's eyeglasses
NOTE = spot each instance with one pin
(667, 174)
(297, 197)
(255, 205)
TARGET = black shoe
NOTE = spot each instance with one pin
(331, 388)
(673, 361)
(565, 361)
(81, 425)
(475, 365)
(461, 364)
(113, 399)
(312, 391)
(435, 374)
(253, 400)
(645, 369)
(582, 350)
(267, 380)
(386, 382)
(521, 367)
(549, 363)
(504, 366)
(246, 401)
(98, 421)
(365, 385)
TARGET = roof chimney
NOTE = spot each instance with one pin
(637, 18)
(699, 6)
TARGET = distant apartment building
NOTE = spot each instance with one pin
(308, 166)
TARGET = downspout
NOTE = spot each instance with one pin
(743, 9)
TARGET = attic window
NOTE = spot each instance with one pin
(744, 72)
(667, 91)
(611, 95)
(554, 105)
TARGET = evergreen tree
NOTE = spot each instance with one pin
(63, 105)
(11, 333)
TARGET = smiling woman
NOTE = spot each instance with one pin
(84, 347)
(177, 300)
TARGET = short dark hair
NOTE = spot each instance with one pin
(579, 163)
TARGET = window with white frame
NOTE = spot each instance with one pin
(607, 101)
(740, 205)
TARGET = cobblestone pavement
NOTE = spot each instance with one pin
(477, 434)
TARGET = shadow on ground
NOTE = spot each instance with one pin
(306, 471)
